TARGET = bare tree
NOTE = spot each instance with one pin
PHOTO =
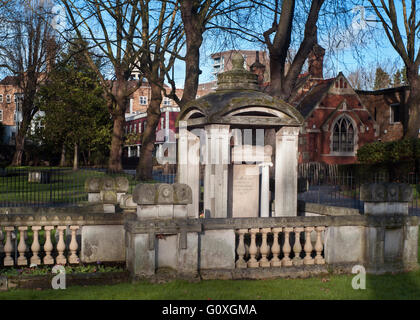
(404, 42)
(27, 48)
(161, 40)
(112, 28)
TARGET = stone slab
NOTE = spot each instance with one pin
(344, 244)
(393, 244)
(103, 243)
(246, 190)
(217, 249)
(166, 250)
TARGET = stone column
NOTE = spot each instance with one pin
(265, 189)
(216, 171)
(286, 172)
(189, 168)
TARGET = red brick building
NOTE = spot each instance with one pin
(337, 122)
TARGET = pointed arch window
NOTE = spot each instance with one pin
(343, 136)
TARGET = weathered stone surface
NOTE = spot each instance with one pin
(122, 184)
(147, 211)
(217, 249)
(166, 251)
(109, 197)
(94, 197)
(142, 259)
(386, 192)
(165, 211)
(93, 185)
(180, 211)
(246, 191)
(344, 244)
(393, 246)
(188, 257)
(107, 184)
(182, 194)
(386, 208)
(103, 243)
(145, 194)
(248, 153)
(410, 248)
(126, 202)
(165, 194)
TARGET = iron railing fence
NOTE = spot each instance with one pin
(48, 187)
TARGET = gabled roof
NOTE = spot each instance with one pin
(314, 96)
(9, 81)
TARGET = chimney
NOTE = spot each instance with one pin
(258, 68)
(316, 62)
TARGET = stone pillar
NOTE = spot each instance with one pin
(265, 189)
(391, 238)
(216, 171)
(189, 168)
(286, 172)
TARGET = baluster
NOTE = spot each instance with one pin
(48, 246)
(253, 250)
(287, 248)
(265, 249)
(275, 249)
(308, 246)
(61, 246)
(8, 247)
(241, 249)
(35, 246)
(319, 246)
(73, 259)
(297, 248)
(22, 261)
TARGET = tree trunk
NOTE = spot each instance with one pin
(20, 144)
(413, 107)
(63, 156)
(115, 156)
(76, 157)
(145, 166)
(194, 38)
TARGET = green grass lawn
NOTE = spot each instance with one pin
(402, 286)
(65, 186)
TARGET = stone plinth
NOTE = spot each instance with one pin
(106, 190)
(155, 244)
(386, 198)
(162, 201)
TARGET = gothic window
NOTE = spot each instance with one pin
(343, 136)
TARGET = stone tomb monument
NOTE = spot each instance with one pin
(206, 128)
(247, 198)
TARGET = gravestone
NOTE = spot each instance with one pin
(246, 191)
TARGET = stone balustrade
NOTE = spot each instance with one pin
(71, 249)
(263, 248)
(45, 239)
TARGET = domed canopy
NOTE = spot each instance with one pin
(237, 101)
